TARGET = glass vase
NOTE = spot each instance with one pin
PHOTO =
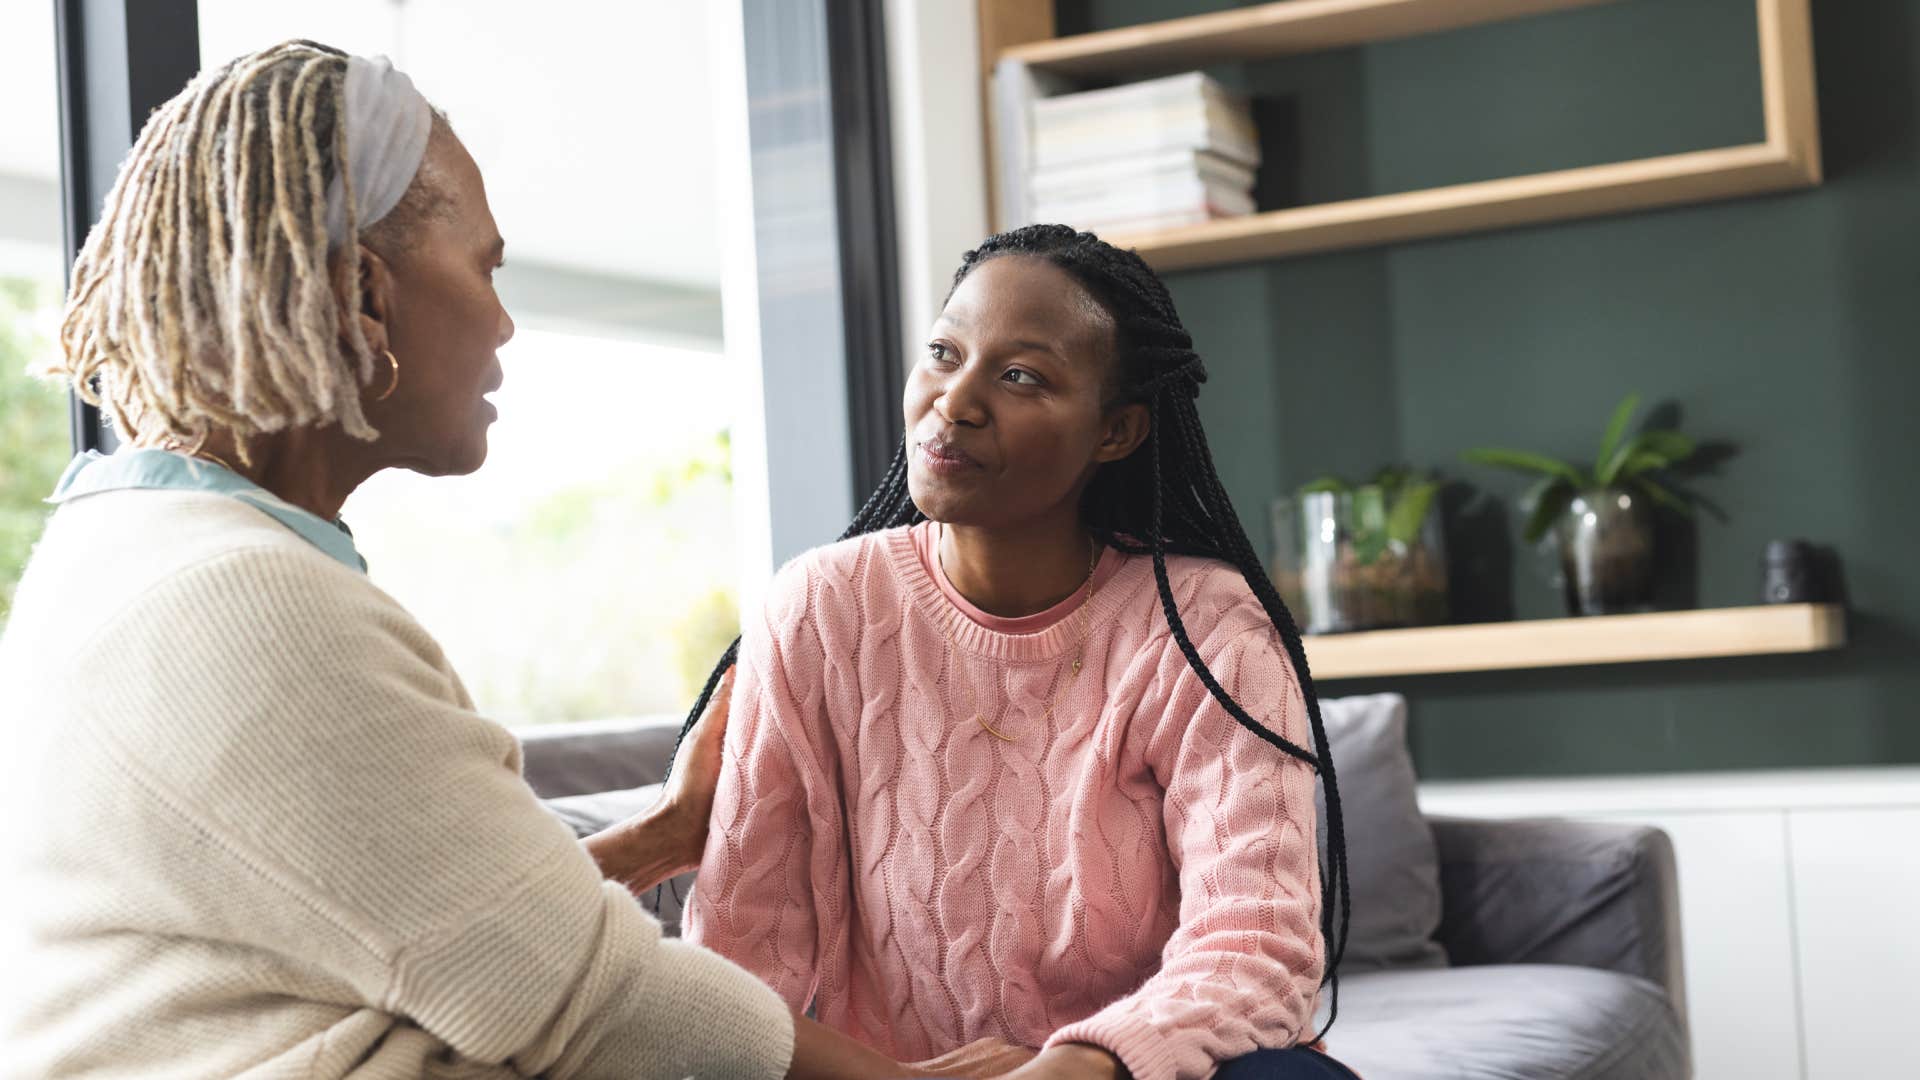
(1606, 552)
(1345, 561)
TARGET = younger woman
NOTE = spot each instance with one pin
(1025, 758)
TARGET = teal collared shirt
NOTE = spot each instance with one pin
(93, 472)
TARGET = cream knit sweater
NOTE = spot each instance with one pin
(254, 828)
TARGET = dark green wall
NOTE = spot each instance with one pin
(1785, 328)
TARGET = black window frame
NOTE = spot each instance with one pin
(118, 60)
(869, 246)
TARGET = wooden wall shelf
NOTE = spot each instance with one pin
(1788, 159)
(1266, 30)
(1602, 639)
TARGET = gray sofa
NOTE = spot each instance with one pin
(1558, 952)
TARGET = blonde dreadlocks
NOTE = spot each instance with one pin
(201, 300)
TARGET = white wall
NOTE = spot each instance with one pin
(740, 307)
(591, 119)
(939, 157)
(30, 118)
(30, 240)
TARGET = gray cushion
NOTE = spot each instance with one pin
(1540, 891)
(1507, 1022)
(1391, 857)
(588, 814)
(597, 755)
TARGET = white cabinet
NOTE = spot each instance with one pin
(1856, 886)
(1736, 927)
(1799, 908)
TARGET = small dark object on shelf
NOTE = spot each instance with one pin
(1788, 574)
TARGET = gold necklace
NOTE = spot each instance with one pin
(1080, 654)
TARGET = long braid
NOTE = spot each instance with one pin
(1166, 498)
(889, 506)
(1168, 373)
(1334, 883)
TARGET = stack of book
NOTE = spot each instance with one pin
(1151, 155)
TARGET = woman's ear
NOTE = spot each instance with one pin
(367, 301)
(1127, 428)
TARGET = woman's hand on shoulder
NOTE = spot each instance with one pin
(669, 839)
(689, 791)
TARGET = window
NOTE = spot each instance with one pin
(588, 569)
(34, 439)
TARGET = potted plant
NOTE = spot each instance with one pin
(1601, 514)
(1362, 556)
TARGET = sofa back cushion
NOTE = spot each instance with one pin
(1391, 858)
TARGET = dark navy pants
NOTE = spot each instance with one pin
(1290, 1064)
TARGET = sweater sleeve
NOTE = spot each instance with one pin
(1241, 971)
(361, 819)
(755, 901)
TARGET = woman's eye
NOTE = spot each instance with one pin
(938, 352)
(1015, 375)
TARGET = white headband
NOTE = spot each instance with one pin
(387, 124)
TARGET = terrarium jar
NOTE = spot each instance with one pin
(1606, 552)
(1342, 562)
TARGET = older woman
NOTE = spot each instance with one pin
(255, 825)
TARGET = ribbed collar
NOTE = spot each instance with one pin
(930, 603)
(93, 472)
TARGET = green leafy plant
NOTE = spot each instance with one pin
(34, 445)
(1623, 462)
(1387, 509)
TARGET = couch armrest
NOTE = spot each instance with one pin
(1541, 891)
(597, 755)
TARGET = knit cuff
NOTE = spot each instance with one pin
(684, 1011)
(735, 1024)
(1146, 1053)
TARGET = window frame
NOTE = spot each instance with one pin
(118, 60)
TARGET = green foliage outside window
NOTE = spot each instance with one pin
(34, 439)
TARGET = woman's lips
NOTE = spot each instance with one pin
(946, 458)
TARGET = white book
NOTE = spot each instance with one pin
(1119, 113)
(1128, 204)
(1068, 181)
(1238, 122)
(1192, 86)
(1138, 142)
(1152, 198)
(1147, 133)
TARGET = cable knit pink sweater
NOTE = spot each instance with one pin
(1136, 871)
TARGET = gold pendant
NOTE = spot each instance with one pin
(992, 732)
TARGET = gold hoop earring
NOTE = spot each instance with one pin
(393, 382)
